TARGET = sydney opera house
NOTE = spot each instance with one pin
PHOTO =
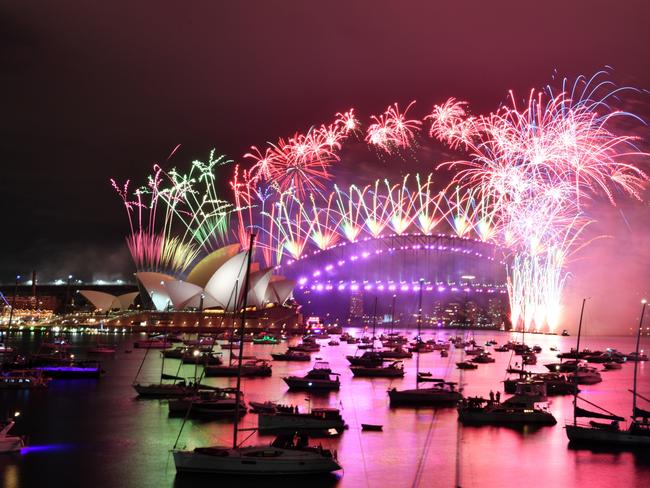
(208, 297)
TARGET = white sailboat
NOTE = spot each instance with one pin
(285, 456)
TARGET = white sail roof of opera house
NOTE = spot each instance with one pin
(279, 290)
(188, 295)
(227, 283)
(204, 269)
(259, 282)
(105, 301)
(154, 284)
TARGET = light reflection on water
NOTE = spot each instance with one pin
(96, 433)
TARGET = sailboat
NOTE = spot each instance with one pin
(636, 434)
(284, 456)
(370, 364)
(441, 393)
(179, 388)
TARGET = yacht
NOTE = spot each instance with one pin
(316, 421)
(10, 443)
(306, 347)
(466, 365)
(585, 375)
(213, 403)
(255, 368)
(483, 358)
(5, 349)
(266, 339)
(520, 409)
(440, 394)
(164, 390)
(368, 359)
(320, 378)
(282, 457)
(291, 356)
(396, 353)
(393, 370)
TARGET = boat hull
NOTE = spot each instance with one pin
(296, 422)
(362, 372)
(424, 397)
(272, 461)
(578, 434)
(311, 385)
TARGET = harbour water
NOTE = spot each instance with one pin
(97, 433)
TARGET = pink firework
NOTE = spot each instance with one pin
(347, 122)
(449, 123)
(392, 131)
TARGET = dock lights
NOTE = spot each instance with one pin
(16, 414)
(196, 353)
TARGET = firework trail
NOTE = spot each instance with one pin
(535, 168)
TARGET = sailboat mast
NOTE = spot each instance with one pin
(575, 393)
(241, 338)
(374, 324)
(419, 340)
(636, 363)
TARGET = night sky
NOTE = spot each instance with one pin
(94, 90)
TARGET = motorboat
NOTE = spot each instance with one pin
(263, 407)
(282, 457)
(165, 390)
(585, 375)
(392, 370)
(565, 367)
(634, 356)
(254, 368)
(315, 421)
(8, 442)
(396, 353)
(556, 383)
(212, 403)
(421, 347)
(612, 365)
(266, 339)
(483, 358)
(440, 394)
(474, 351)
(372, 427)
(320, 378)
(72, 370)
(4, 349)
(466, 365)
(22, 379)
(204, 358)
(305, 347)
(291, 356)
(529, 359)
(367, 359)
(444, 353)
(333, 342)
(521, 409)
